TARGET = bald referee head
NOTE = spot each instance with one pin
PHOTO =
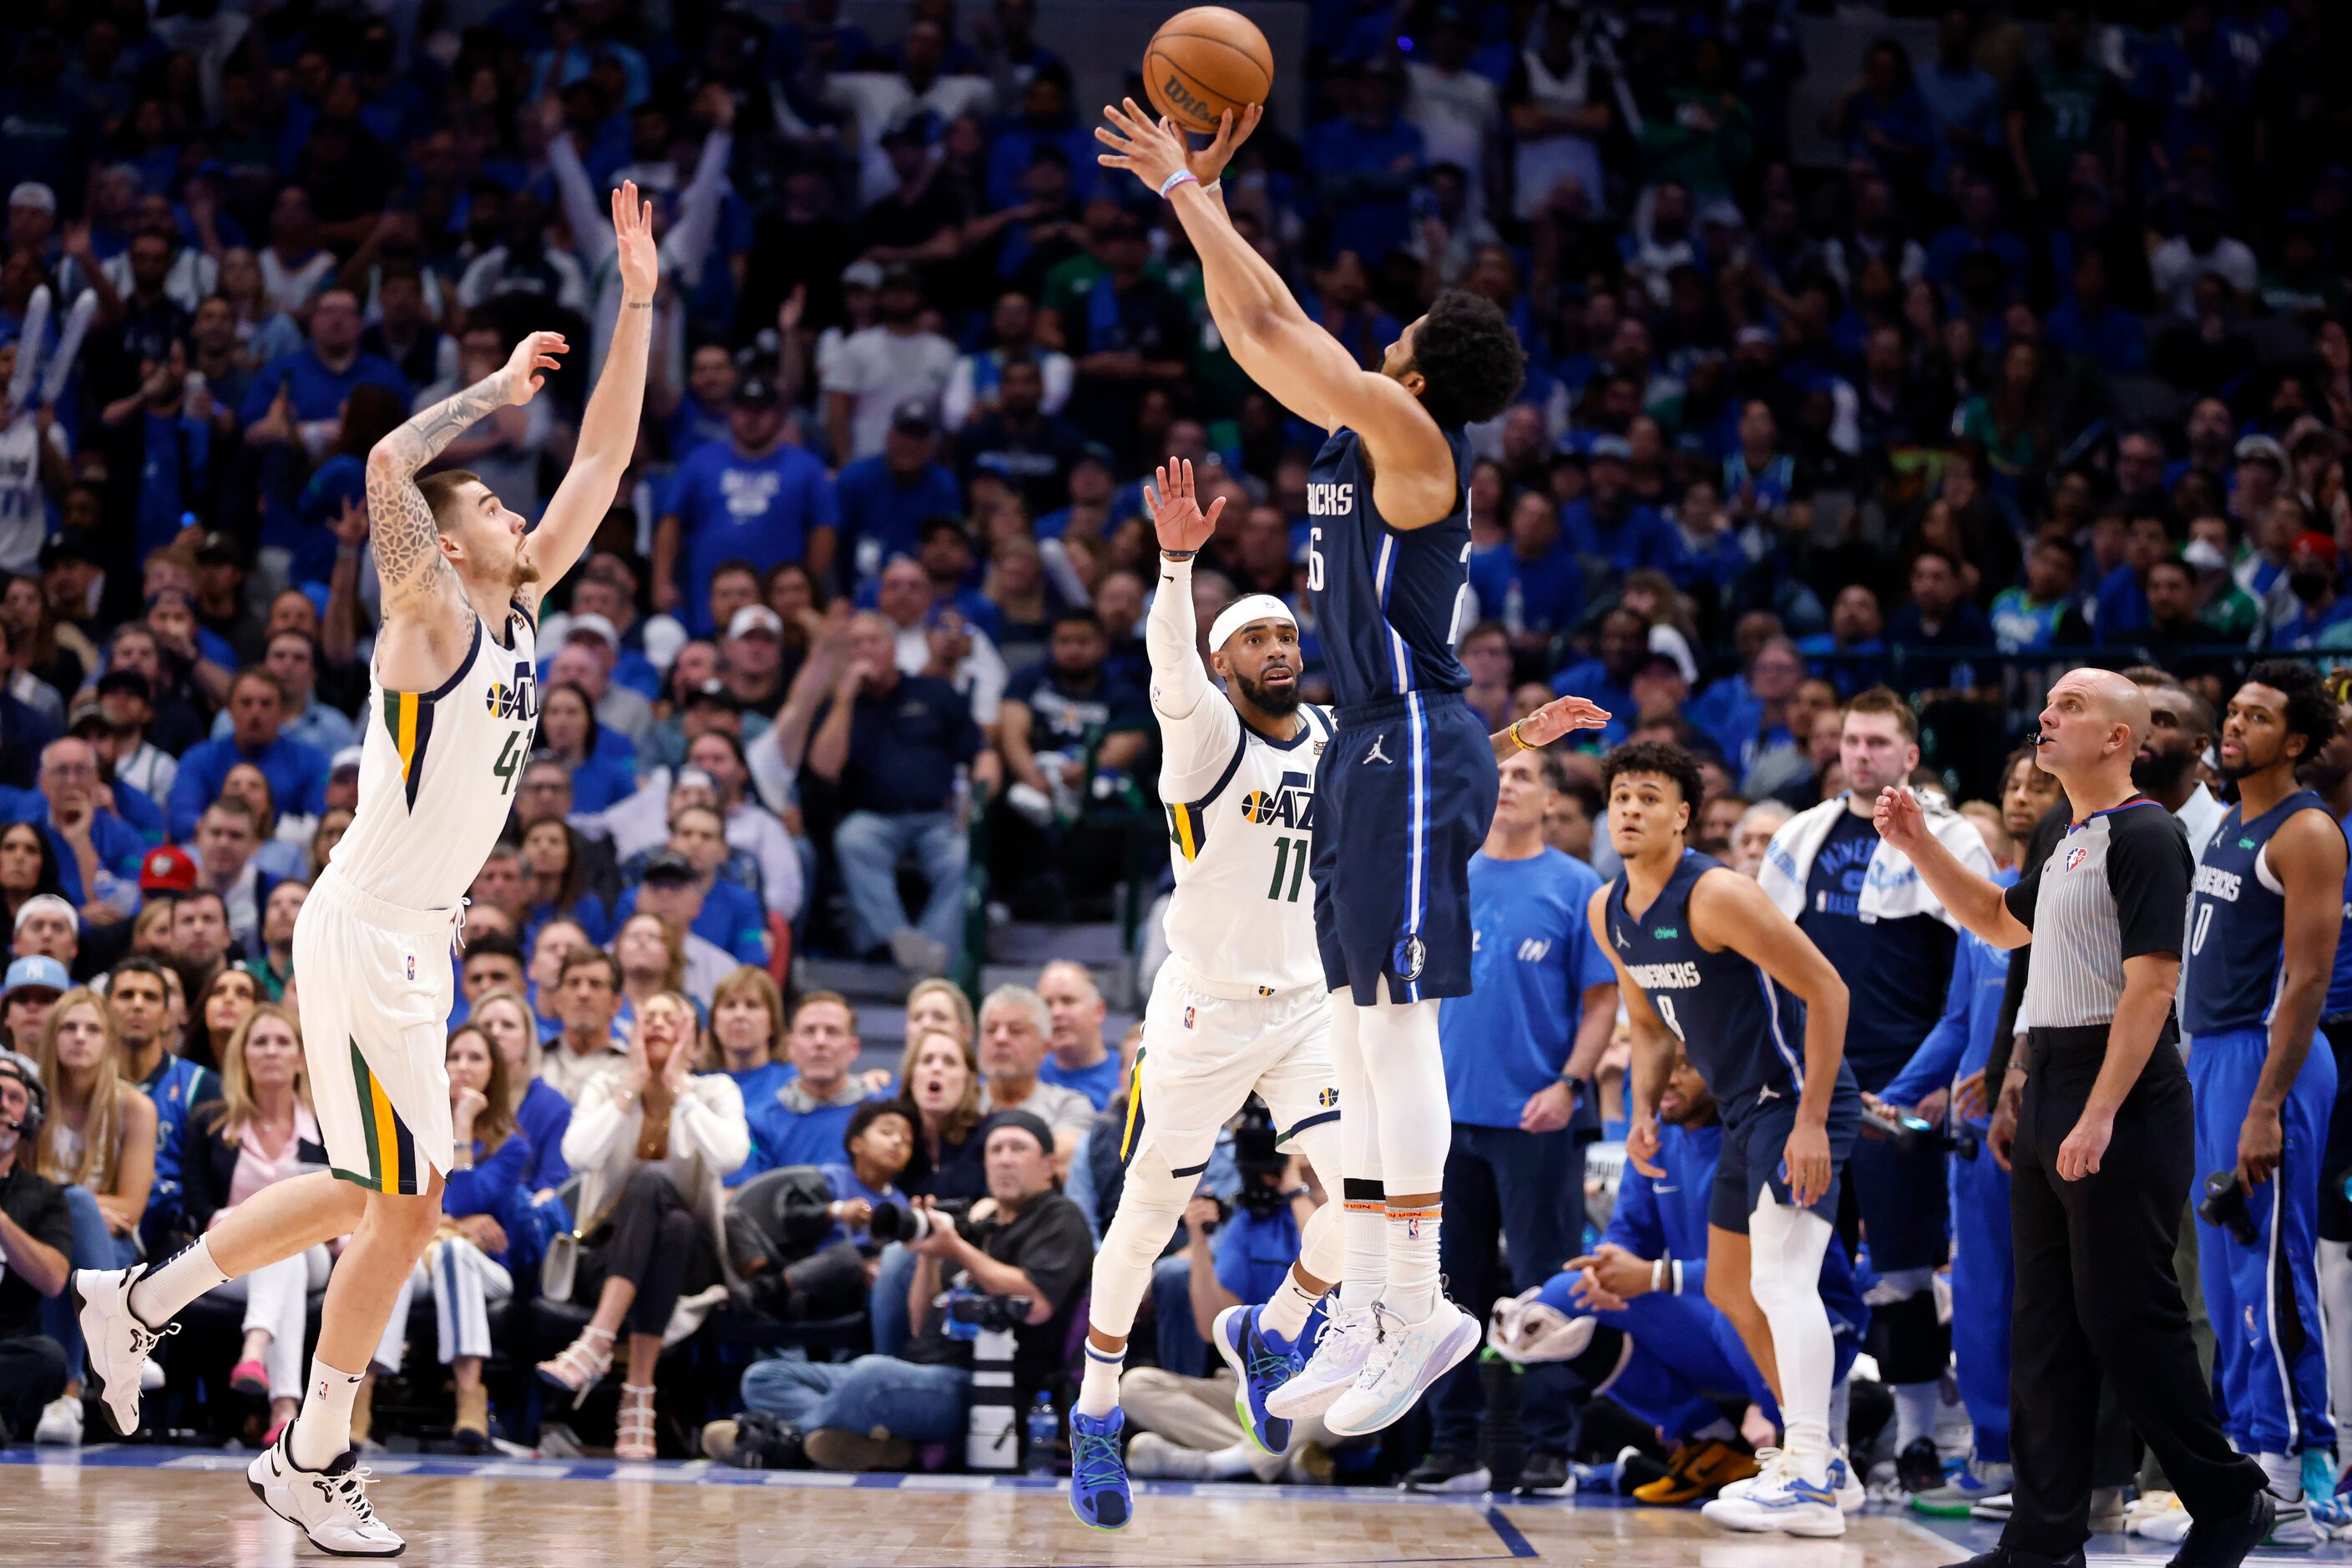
(2091, 731)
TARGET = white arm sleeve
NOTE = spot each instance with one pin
(592, 231)
(1198, 727)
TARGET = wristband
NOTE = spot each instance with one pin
(1178, 555)
(1216, 184)
(1519, 740)
(1658, 1275)
(1176, 179)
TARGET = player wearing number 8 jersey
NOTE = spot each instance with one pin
(451, 711)
(1408, 784)
(1710, 966)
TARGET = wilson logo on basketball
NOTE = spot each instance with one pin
(1185, 100)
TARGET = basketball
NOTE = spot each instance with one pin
(1204, 61)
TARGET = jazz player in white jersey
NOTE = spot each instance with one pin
(452, 710)
(1240, 1004)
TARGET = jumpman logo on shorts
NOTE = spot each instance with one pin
(1376, 754)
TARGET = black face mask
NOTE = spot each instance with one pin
(2309, 586)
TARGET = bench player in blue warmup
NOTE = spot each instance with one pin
(1408, 782)
(1710, 966)
(2263, 921)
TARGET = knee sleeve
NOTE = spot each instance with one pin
(1320, 1247)
(1322, 1244)
(1785, 1250)
(1403, 1058)
(1360, 1134)
(1150, 1206)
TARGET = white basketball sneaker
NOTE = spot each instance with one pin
(330, 1505)
(1850, 1494)
(119, 1343)
(1783, 1498)
(1402, 1363)
(1340, 1346)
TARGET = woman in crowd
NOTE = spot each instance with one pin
(483, 1205)
(537, 1108)
(28, 869)
(227, 1003)
(330, 833)
(263, 332)
(568, 728)
(282, 848)
(747, 1032)
(938, 1081)
(53, 651)
(553, 858)
(652, 959)
(258, 1133)
(652, 1142)
(939, 1004)
(97, 1142)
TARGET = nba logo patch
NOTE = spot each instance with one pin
(412, 967)
(1412, 1229)
(2076, 855)
(1188, 1018)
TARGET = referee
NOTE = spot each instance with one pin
(2101, 1162)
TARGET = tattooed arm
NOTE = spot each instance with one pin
(400, 525)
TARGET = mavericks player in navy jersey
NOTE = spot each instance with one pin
(2263, 928)
(1408, 783)
(1711, 968)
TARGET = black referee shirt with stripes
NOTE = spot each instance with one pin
(2116, 887)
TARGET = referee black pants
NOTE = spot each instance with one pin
(2095, 1287)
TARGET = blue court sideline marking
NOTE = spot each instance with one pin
(1519, 1544)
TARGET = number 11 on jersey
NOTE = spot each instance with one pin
(1289, 861)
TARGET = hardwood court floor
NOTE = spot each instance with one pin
(152, 1508)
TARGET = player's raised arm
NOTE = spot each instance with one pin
(608, 430)
(1558, 717)
(1299, 364)
(1197, 724)
(407, 542)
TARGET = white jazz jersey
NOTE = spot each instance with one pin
(438, 771)
(1244, 908)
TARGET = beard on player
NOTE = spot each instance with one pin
(1275, 692)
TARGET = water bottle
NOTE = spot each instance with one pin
(1044, 1428)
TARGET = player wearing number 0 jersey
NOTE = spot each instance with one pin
(1710, 967)
(451, 713)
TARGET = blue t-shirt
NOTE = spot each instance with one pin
(1253, 1254)
(730, 506)
(847, 1188)
(296, 775)
(1545, 594)
(732, 919)
(781, 1137)
(882, 516)
(543, 1115)
(1098, 1083)
(1531, 956)
(1899, 969)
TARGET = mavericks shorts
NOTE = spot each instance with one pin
(1754, 1143)
(1401, 802)
(1203, 1052)
(375, 984)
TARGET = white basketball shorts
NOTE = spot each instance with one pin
(1204, 1050)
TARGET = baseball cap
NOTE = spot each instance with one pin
(68, 545)
(898, 275)
(862, 275)
(590, 624)
(757, 391)
(755, 618)
(713, 693)
(1615, 446)
(37, 973)
(1242, 611)
(2261, 449)
(220, 547)
(89, 717)
(51, 904)
(668, 866)
(167, 871)
(126, 680)
(33, 193)
(349, 757)
(912, 417)
(2313, 542)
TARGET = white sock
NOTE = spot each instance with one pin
(1916, 1405)
(324, 1430)
(2284, 1472)
(1363, 1208)
(1364, 1233)
(1412, 1292)
(1286, 1313)
(1785, 1249)
(1233, 1460)
(161, 1293)
(1099, 1387)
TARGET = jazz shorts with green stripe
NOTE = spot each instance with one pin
(375, 984)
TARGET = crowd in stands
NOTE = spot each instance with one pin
(2027, 341)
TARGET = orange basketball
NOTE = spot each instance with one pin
(1204, 61)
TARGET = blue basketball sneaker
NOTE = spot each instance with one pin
(1100, 1494)
(1262, 1360)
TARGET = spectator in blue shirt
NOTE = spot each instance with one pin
(1856, 624)
(139, 1007)
(2122, 603)
(293, 658)
(1046, 121)
(1964, 102)
(97, 853)
(2311, 582)
(757, 498)
(297, 773)
(1979, 232)
(1885, 121)
(1936, 616)
(1608, 526)
(1531, 582)
(805, 1121)
(879, 1139)
(1365, 165)
(1080, 1058)
(298, 398)
(729, 915)
(1520, 1051)
(885, 499)
(1620, 643)
(2090, 325)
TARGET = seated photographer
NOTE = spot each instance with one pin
(1646, 1283)
(652, 1143)
(466, 1266)
(1234, 1254)
(1022, 1254)
(35, 1234)
(801, 1122)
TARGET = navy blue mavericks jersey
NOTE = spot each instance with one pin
(1744, 1034)
(2340, 983)
(1388, 602)
(2237, 923)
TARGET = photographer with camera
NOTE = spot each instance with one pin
(35, 1233)
(1015, 1261)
